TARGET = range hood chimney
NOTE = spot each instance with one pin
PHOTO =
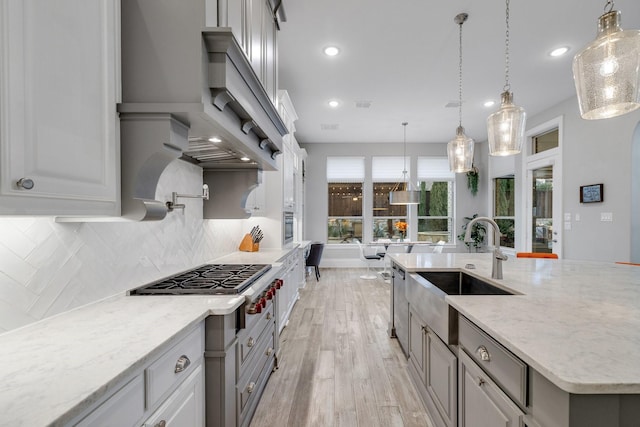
(183, 83)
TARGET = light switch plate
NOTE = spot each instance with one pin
(577, 217)
(567, 216)
(567, 225)
(606, 216)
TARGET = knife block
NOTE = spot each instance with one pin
(247, 244)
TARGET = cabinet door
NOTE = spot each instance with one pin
(59, 73)
(417, 344)
(441, 377)
(256, 202)
(185, 407)
(481, 402)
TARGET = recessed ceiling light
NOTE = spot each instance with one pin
(334, 103)
(245, 158)
(559, 51)
(331, 51)
(215, 139)
(489, 103)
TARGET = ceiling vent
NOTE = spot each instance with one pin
(329, 126)
(363, 104)
(452, 104)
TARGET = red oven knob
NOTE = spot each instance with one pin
(258, 307)
(270, 293)
(279, 283)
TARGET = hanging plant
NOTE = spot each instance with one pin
(472, 181)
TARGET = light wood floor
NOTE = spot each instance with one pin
(338, 366)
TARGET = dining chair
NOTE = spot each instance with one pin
(368, 257)
(313, 259)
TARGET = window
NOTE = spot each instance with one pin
(504, 209)
(435, 211)
(345, 177)
(386, 174)
(545, 141)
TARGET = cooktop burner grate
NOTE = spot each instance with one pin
(209, 279)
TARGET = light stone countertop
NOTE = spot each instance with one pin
(54, 369)
(575, 322)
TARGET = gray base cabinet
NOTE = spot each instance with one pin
(482, 402)
(433, 367)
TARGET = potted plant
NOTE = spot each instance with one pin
(472, 181)
(478, 231)
(401, 226)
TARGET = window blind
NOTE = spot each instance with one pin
(345, 169)
(434, 168)
(389, 169)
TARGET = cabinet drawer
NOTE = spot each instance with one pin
(248, 338)
(124, 408)
(185, 407)
(503, 366)
(174, 366)
(257, 371)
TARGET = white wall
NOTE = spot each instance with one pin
(47, 267)
(596, 151)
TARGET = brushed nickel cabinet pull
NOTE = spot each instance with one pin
(252, 385)
(162, 423)
(483, 354)
(182, 364)
(481, 382)
(25, 183)
(250, 342)
(269, 351)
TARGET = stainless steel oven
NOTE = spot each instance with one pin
(287, 227)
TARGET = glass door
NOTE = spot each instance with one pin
(542, 231)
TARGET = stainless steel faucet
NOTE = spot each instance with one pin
(498, 256)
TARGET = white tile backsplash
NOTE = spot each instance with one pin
(48, 267)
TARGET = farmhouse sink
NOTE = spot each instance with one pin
(459, 283)
(427, 290)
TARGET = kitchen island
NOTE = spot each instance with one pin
(55, 371)
(574, 324)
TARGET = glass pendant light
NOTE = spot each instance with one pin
(460, 148)
(505, 127)
(407, 195)
(607, 71)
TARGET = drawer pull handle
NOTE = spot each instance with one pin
(162, 423)
(481, 382)
(269, 351)
(182, 364)
(269, 316)
(252, 385)
(251, 342)
(483, 354)
(25, 184)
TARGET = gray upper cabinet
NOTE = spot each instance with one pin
(254, 27)
(60, 82)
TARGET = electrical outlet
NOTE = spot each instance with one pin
(567, 216)
(577, 217)
(606, 216)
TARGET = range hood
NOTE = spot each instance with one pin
(180, 87)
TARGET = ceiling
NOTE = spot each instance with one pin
(402, 57)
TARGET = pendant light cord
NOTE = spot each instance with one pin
(404, 152)
(507, 86)
(460, 75)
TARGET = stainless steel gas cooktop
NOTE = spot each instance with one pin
(208, 279)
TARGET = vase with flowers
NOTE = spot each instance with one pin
(401, 226)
